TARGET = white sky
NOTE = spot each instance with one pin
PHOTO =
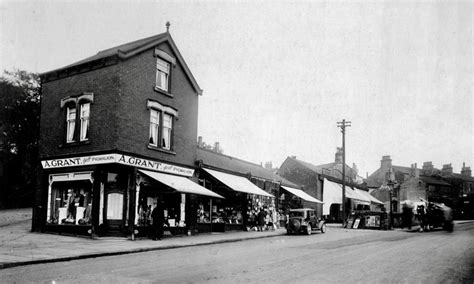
(278, 76)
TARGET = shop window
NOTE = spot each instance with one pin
(161, 126)
(71, 203)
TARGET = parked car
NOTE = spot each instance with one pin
(304, 220)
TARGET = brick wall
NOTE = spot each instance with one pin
(298, 174)
(137, 87)
(105, 85)
(119, 118)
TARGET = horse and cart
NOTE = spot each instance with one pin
(434, 215)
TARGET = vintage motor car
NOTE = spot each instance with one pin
(304, 220)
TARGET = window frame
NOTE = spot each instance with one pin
(161, 112)
(71, 123)
(84, 136)
(160, 62)
(77, 103)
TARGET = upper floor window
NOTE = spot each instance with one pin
(167, 128)
(161, 125)
(77, 117)
(164, 61)
(154, 127)
(84, 134)
(162, 74)
(71, 123)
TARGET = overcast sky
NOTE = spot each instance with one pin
(278, 76)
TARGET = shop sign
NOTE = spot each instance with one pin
(154, 165)
(79, 161)
(117, 158)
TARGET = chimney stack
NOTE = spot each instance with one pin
(414, 172)
(466, 171)
(216, 147)
(386, 162)
(447, 169)
(338, 156)
(268, 165)
(200, 141)
(428, 167)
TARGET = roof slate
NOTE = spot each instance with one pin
(229, 163)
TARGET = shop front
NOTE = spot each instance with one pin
(113, 194)
(177, 197)
(236, 211)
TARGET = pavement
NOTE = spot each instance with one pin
(19, 246)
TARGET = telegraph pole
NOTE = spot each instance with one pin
(343, 124)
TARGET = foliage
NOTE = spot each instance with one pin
(19, 129)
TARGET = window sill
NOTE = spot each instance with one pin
(163, 92)
(73, 144)
(161, 150)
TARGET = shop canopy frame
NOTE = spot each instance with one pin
(180, 184)
(301, 194)
(332, 194)
(238, 183)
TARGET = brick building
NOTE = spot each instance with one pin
(117, 136)
(327, 188)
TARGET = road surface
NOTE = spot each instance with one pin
(340, 255)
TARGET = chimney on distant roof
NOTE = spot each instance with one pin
(338, 156)
(200, 141)
(466, 171)
(414, 172)
(293, 157)
(216, 147)
(447, 169)
(428, 166)
(386, 162)
(268, 165)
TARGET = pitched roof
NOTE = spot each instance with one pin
(232, 164)
(319, 169)
(431, 180)
(130, 49)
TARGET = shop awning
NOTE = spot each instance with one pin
(238, 183)
(180, 184)
(370, 197)
(301, 194)
(332, 193)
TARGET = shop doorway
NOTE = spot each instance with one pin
(114, 211)
(115, 203)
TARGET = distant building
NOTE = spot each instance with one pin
(429, 183)
(319, 183)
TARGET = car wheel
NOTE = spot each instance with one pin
(308, 229)
(323, 228)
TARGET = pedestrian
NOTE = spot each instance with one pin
(158, 218)
(261, 219)
(407, 216)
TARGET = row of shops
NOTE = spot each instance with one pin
(114, 194)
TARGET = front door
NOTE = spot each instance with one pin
(115, 203)
(114, 211)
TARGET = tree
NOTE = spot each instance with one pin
(19, 129)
